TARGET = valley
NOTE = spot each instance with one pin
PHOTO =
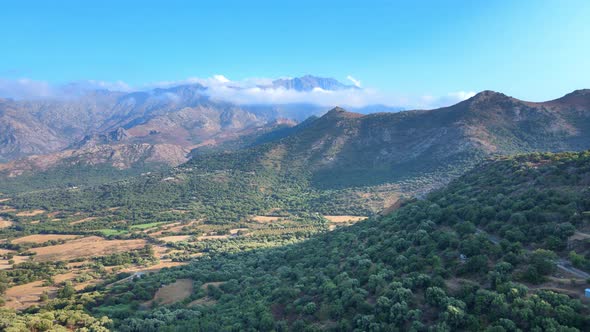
(90, 250)
(295, 166)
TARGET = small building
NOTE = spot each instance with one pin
(587, 293)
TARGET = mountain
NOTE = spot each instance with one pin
(182, 115)
(119, 156)
(349, 149)
(308, 83)
(413, 149)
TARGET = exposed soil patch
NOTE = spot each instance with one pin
(173, 293)
(85, 247)
(82, 220)
(41, 238)
(205, 301)
(213, 283)
(339, 219)
(5, 265)
(265, 219)
(212, 237)
(30, 213)
(175, 238)
(5, 223)
(24, 296)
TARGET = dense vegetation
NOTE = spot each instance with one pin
(474, 256)
(67, 176)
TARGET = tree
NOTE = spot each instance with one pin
(66, 291)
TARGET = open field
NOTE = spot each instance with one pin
(146, 226)
(41, 238)
(85, 247)
(175, 238)
(82, 220)
(23, 296)
(108, 231)
(5, 265)
(212, 237)
(31, 213)
(174, 227)
(2, 200)
(237, 230)
(205, 301)
(5, 223)
(174, 292)
(339, 219)
(265, 219)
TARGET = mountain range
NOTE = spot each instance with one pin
(344, 149)
(184, 116)
(340, 148)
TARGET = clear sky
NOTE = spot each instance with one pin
(534, 50)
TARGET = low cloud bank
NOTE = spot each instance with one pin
(247, 91)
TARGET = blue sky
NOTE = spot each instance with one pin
(534, 50)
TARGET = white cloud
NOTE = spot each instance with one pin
(429, 102)
(221, 78)
(25, 88)
(246, 91)
(354, 81)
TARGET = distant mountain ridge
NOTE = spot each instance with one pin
(183, 115)
(338, 149)
(309, 82)
(343, 148)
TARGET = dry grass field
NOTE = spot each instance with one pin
(31, 213)
(82, 220)
(212, 237)
(174, 292)
(5, 265)
(41, 238)
(85, 247)
(175, 238)
(5, 223)
(24, 296)
(265, 219)
(339, 219)
(237, 230)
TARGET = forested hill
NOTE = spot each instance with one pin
(490, 252)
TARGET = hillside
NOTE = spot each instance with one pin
(408, 152)
(490, 251)
(343, 149)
